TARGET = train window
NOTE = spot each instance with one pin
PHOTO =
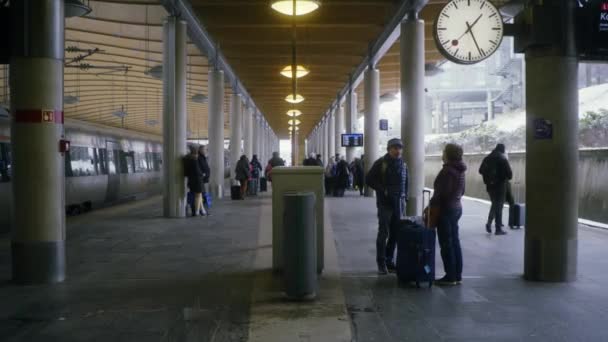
(141, 162)
(102, 154)
(5, 162)
(111, 159)
(82, 161)
(127, 163)
(157, 161)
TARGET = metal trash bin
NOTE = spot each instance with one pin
(300, 245)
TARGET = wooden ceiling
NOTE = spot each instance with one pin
(256, 41)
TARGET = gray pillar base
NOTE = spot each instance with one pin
(550, 260)
(39, 262)
(217, 191)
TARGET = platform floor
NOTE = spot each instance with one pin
(135, 276)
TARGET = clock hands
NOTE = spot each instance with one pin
(473, 36)
(470, 27)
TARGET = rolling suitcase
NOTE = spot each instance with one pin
(235, 190)
(517, 216)
(416, 251)
(263, 185)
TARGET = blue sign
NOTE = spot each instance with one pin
(383, 125)
(543, 129)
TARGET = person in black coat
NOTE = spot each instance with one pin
(206, 171)
(341, 180)
(359, 175)
(243, 174)
(195, 181)
(496, 173)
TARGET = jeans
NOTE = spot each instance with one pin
(498, 194)
(449, 242)
(388, 227)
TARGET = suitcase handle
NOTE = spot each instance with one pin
(428, 205)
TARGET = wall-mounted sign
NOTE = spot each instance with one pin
(383, 125)
(543, 129)
(352, 140)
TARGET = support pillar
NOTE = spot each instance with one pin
(339, 114)
(236, 132)
(372, 115)
(413, 109)
(331, 141)
(248, 133)
(256, 134)
(216, 131)
(36, 78)
(350, 119)
(490, 104)
(326, 140)
(174, 116)
(551, 240)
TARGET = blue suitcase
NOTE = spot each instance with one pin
(416, 252)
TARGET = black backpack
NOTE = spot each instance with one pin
(489, 170)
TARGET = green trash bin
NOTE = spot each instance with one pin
(300, 245)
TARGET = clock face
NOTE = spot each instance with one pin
(468, 31)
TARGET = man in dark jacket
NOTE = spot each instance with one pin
(310, 161)
(195, 181)
(388, 177)
(496, 173)
(319, 160)
(243, 174)
(203, 164)
(358, 172)
(341, 179)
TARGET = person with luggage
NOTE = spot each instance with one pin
(496, 172)
(342, 177)
(242, 174)
(449, 188)
(272, 163)
(195, 181)
(204, 166)
(256, 168)
(389, 178)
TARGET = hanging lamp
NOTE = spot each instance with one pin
(302, 6)
(301, 71)
(76, 8)
(294, 122)
(294, 112)
(297, 99)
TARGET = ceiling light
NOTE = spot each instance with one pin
(75, 8)
(155, 72)
(71, 99)
(294, 122)
(199, 98)
(151, 122)
(291, 128)
(294, 112)
(302, 6)
(120, 113)
(299, 98)
(300, 71)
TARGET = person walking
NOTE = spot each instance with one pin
(256, 169)
(310, 161)
(449, 188)
(358, 175)
(206, 171)
(319, 160)
(272, 163)
(330, 171)
(242, 174)
(496, 173)
(342, 177)
(389, 178)
(195, 177)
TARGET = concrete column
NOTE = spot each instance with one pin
(36, 80)
(372, 116)
(331, 141)
(256, 133)
(490, 104)
(174, 116)
(236, 132)
(248, 132)
(551, 241)
(326, 150)
(263, 141)
(339, 130)
(413, 109)
(350, 119)
(216, 131)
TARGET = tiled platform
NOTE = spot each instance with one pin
(135, 276)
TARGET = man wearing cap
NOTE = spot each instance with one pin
(388, 177)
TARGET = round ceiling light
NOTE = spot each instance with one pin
(294, 122)
(298, 98)
(291, 128)
(75, 8)
(302, 6)
(294, 112)
(300, 71)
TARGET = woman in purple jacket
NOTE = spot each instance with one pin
(449, 189)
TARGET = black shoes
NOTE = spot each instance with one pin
(499, 231)
(391, 267)
(447, 282)
(382, 270)
(489, 228)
